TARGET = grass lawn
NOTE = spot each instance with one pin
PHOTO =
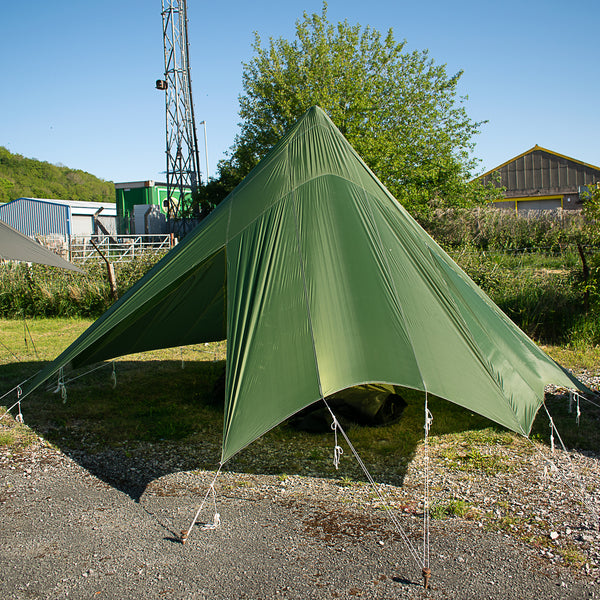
(577, 358)
(175, 396)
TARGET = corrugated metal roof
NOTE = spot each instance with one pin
(130, 185)
(78, 207)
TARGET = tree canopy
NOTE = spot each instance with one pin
(22, 177)
(400, 110)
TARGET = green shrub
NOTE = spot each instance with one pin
(585, 331)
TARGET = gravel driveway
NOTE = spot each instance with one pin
(65, 533)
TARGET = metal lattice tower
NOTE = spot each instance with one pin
(183, 165)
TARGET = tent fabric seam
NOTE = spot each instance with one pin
(306, 301)
(293, 190)
(487, 366)
(393, 284)
(267, 159)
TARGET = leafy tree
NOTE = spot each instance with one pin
(5, 189)
(400, 110)
(590, 268)
(591, 202)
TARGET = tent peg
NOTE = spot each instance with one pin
(426, 577)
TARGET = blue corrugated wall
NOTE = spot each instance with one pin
(35, 217)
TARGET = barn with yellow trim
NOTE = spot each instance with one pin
(540, 179)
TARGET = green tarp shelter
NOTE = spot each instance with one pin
(16, 246)
(320, 281)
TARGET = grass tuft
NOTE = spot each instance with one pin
(453, 508)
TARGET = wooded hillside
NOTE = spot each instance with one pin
(30, 178)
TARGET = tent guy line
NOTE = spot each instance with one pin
(216, 519)
(582, 491)
(423, 564)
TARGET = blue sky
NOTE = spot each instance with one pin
(78, 77)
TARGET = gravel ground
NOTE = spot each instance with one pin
(66, 533)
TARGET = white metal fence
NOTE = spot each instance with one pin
(117, 248)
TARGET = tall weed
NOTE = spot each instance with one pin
(42, 291)
(487, 228)
(544, 303)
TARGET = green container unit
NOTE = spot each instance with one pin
(137, 192)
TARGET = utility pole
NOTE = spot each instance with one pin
(206, 152)
(183, 172)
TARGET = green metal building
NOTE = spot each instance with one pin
(134, 193)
